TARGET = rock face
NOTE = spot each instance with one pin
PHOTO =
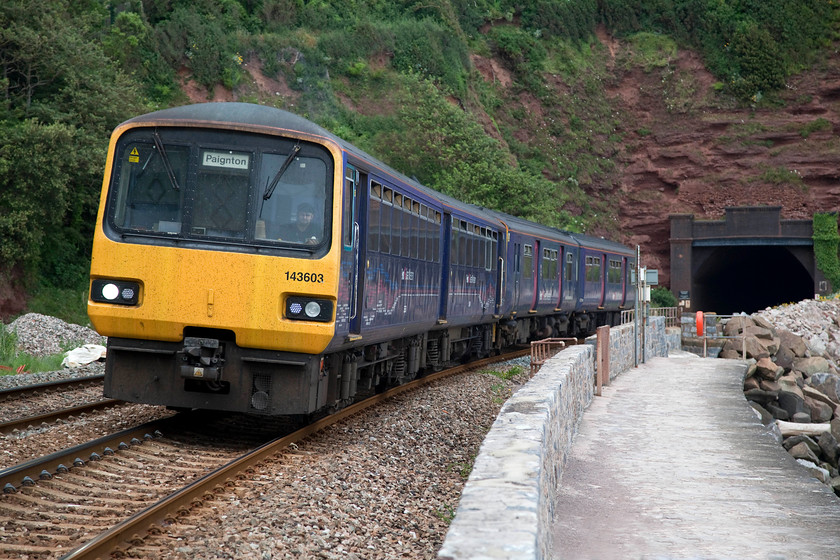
(687, 150)
(794, 378)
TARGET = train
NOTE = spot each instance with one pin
(245, 259)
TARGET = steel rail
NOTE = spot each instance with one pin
(24, 389)
(16, 476)
(135, 527)
(23, 423)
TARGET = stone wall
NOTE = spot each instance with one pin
(506, 508)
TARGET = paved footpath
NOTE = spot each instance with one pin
(672, 463)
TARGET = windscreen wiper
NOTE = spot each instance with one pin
(166, 164)
(270, 188)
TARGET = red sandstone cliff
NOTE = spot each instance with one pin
(690, 153)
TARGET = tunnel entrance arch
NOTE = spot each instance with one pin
(731, 279)
(750, 260)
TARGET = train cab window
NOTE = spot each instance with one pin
(216, 187)
(148, 199)
(221, 194)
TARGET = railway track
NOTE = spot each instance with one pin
(107, 500)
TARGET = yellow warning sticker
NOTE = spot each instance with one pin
(134, 156)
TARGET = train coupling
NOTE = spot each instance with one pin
(202, 359)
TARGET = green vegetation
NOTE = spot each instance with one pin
(826, 244)
(403, 80)
(661, 296)
(815, 126)
(13, 360)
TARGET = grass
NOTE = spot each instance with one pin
(14, 360)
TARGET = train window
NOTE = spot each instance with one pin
(489, 261)
(350, 180)
(374, 213)
(475, 253)
(422, 236)
(528, 261)
(221, 194)
(388, 195)
(385, 228)
(211, 185)
(405, 222)
(593, 269)
(437, 217)
(570, 266)
(517, 260)
(415, 234)
(416, 208)
(453, 249)
(375, 190)
(614, 272)
(398, 200)
(147, 200)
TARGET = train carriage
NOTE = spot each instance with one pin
(246, 259)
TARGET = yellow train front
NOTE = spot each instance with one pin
(216, 259)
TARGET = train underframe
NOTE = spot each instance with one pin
(209, 370)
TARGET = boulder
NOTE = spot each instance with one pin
(817, 472)
(802, 451)
(767, 369)
(727, 354)
(751, 383)
(797, 439)
(784, 357)
(737, 325)
(763, 414)
(810, 366)
(802, 418)
(777, 411)
(761, 396)
(814, 393)
(820, 411)
(792, 342)
(764, 323)
(826, 383)
(755, 349)
(829, 447)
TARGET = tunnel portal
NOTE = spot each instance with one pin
(750, 260)
(748, 278)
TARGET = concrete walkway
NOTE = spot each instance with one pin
(672, 463)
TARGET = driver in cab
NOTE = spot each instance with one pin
(304, 230)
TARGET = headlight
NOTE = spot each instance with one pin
(309, 309)
(120, 292)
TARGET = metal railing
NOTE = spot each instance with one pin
(671, 314)
(712, 329)
(542, 350)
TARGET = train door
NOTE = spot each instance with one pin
(604, 276)
(517, 271)
(536, 273)
(623, 281)
(353, 242)
(561, 257)
(445, 265)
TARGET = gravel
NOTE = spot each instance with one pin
(40, 335)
